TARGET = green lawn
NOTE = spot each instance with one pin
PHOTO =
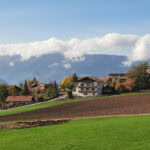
(53, 103)
(115, 133)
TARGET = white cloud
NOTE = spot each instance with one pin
(137, 48)
(141, 51)
(67, 66)
(78, 48)
(11, 64)
(73, 49)
(53, 65)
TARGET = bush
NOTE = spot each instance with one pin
(69, 94)
(121, 89)
(40, 99)
(126, 86)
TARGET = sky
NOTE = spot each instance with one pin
(66, 26)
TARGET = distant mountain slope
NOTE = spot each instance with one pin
(55, 67)
(2, 81)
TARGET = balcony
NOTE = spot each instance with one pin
(87, 91)
(87, 86)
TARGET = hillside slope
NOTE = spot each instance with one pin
(131, 104)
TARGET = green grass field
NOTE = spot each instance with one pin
(115, 133)
(53, 103)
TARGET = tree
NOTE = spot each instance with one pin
(69, 85)
(31, 82)
(126, 86)
(140, 75)
(69, 94)
(56, 88)
(73, 78)
(3, 94)
(26, 90)
(64, 81)
(52, 92)
(129, 85)
(120, 87)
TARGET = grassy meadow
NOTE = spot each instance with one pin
(115, 133)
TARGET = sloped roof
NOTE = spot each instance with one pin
(90, 77)
(19, 98)
(116, 74)
(13, 86)
(10, 86)
(104, 79)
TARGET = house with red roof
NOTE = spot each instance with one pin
(19, 100)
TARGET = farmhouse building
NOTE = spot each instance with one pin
(148, 69)
(13, 89)
(19, 100)
(89, 86)
(117, 77)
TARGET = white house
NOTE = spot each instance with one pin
(89, 86)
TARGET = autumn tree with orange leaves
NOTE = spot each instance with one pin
(126, 86)
(68, 83)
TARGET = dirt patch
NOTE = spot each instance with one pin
(133, 104)
(31, 124)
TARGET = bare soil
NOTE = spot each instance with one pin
(133, 104)
(31, 124)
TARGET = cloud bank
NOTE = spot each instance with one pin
(75, 49)
(141, 50)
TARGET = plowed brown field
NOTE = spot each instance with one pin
(133, 104)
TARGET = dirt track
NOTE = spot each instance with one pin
(134, 104)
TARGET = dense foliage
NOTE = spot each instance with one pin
(140, 75)
(26, 90)
(53, 91)
(68, 84)
(3, 94)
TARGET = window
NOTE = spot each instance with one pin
(85, 93)
(87, 89)
(93, 89)
(81, 84)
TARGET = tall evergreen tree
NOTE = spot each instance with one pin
(26, 90)
(75, 78)
(56, 88)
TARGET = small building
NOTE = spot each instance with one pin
(148, 69)
(19, 100)
(89, 86)
(42, 86)
(13, 89)
(117, 77)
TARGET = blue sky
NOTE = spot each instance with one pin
(35, 20)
